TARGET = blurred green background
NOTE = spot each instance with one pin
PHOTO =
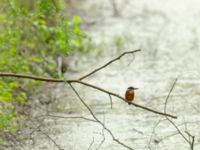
(33, 35)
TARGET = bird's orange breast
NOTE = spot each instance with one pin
(129, 95)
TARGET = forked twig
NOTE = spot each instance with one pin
(193, 139)
(86, 84)
(108, 63)
(93, 115)
(166, 101)
(102, 141)
(178, 130)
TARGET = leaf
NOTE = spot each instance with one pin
(76, 19)
(5, 96)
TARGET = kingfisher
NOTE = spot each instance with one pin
(130, 94)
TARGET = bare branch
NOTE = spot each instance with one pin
(44, 79)
(58, 146)
(192, 144)
(110, 101)
(102, 141)
(79, 117)
(120, 97)
(38, 129)
(169, 94)
(166, 100)
(108, 63)
(193, 140)
(72, 117)
(153, 132)
(86, 84)
(89, 85)
(179, 131)
(93, 115)
(91, 144)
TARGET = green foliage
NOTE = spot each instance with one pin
(7, 119)
(38, 31)
(33, 34)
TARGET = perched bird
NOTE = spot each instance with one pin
(130, 94)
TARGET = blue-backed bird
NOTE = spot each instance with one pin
(130, 94)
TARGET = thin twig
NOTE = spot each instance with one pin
(193, 139)
(192, 144)
(153, 132)
(166, 100)
(108, 63)
(91, 144)
(86, 84)
(38, 129)
(71, 117)
(93, 115)
(58, 146)
(44, 79)
(102, 141)
(169, 136)
(110, 101)
(84, 103)
(179, 131)
(79, 117)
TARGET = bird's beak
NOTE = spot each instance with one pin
(136, 88)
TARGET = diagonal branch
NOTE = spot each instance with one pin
(86, 84)
(102, 124)
(165, 108)
(108, 63)
(38, 129)
(122, 98)
(193, 140)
